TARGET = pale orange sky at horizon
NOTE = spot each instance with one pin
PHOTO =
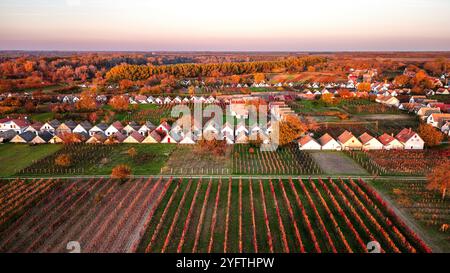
(233, 25)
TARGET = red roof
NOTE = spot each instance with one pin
(405, 134)
(19, 122)
(385, 139)
(365, 138)
(325, 139)
(345, 136)
(305, 140)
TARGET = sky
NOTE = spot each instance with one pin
(225, 25)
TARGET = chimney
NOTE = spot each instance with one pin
(410, 130)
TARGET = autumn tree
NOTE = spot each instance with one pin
(328, 99)
(430, 135)
(213, 146)
(235, 79)
(439, 178)
(364, 87)
(401, 80)
(125, 85)
(132, 152)
(69, 138)
(63, 160)
(119, 103)
(290, 129)
(259, 77)
(87, 101)
(121, 172)
(191, 90)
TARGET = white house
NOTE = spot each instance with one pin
(18, 125)
(349, 142)
(308, 143)
(114, 128)
(438, 120)
(390, 142)
(410, 139)
(370, 143)
(329, 143)
(99, 128)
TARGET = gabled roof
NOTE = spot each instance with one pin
(86, 125)
(365, 138)
(323, 140)
(405, 134)
(19, 122)
(54, 123)
(102, 126)
(304, 140)
(28, 136)
(385, 139)
(37, 125)
(118, 125)
(138, 137)
(71, 124)
(45, 136)
(345, 136)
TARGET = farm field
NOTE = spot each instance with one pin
(14, 157)
(286, 160)
(204, 215)
(232, 215)
(398, 162)
(423, 205)
(334, 163)
(100, 159)
(185, 160)
(102, 215)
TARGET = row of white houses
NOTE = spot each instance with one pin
(20, 131)
(405, 139)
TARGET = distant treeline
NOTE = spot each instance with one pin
(143, 72)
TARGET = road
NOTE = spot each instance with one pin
(257, 177)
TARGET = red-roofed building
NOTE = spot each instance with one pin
(308, 143)
(18, 125)
(410, 139)
(349, 142)
(390, 142)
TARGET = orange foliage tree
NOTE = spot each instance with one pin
(364, 87)
(439, 178)
(121, 172)
(214, 146)
(87, 101)
(430, 135)
(259, 77)
(63, 160)
(290, 129)
(69, 138)
(119, 103)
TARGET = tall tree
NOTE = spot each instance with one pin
(439, 178)
(430, 135)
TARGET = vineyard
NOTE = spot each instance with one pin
(425, 206)
(275, 216)
(398, 162)
(83, 157)
(205, 215)
(102, 215)
(286, 160)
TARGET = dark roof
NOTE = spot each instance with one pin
(46, 136)
(86, 125)
(28, 136)
(71, 124)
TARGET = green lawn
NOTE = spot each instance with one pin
(149, 160)
(42, 117)
(14, 157)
